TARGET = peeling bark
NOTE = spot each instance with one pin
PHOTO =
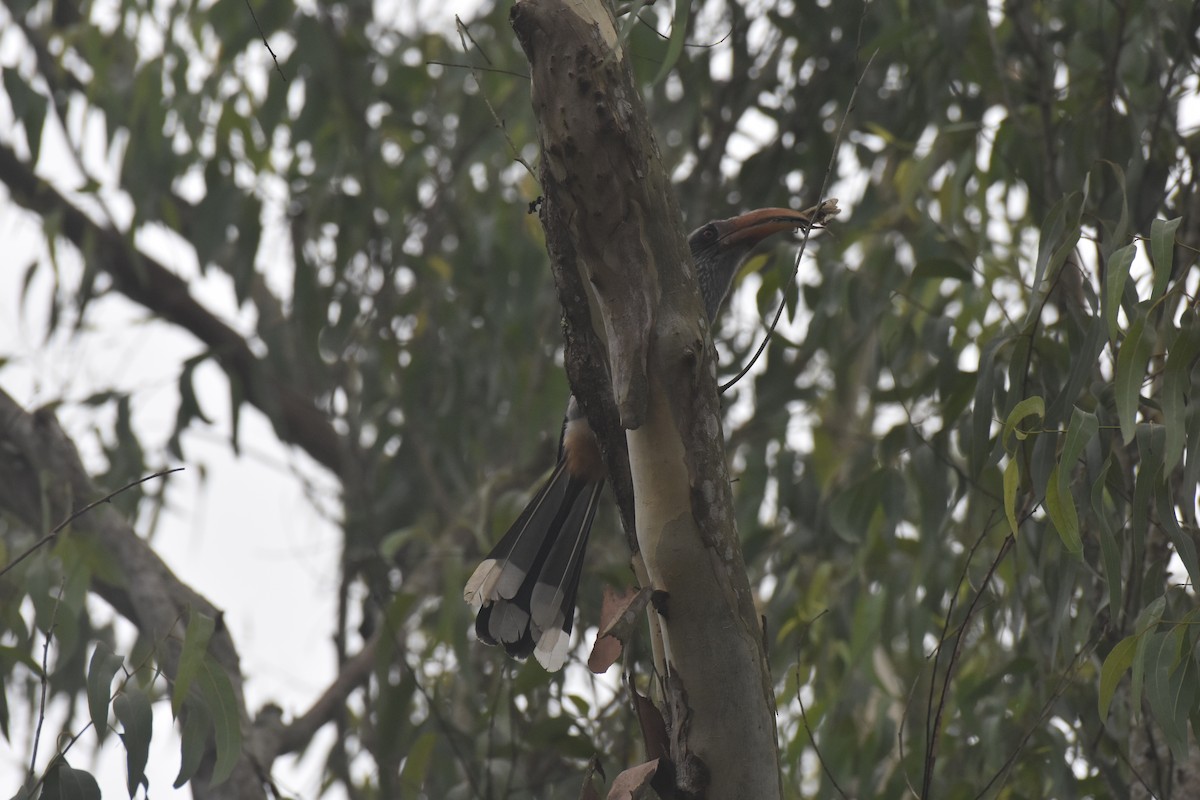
(641, 366)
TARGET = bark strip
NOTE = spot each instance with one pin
(639, 360)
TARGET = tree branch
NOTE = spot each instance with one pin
(274, 739)
(146, 281)
(42, 478)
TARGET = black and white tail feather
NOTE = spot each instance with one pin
(525, 589)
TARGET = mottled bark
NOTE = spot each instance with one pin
(639, 361)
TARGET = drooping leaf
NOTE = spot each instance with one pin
(1012, 479)
(679, 28)
(1058, 237)
(1150, 447)
(1130, 373)
(1061, 508)
(132, 708)
(1165, 690)
(64, 782)
(1185, 546)
(1149, 617)
(189, 404)
(1116, 272)
(1162, 253)
(101, 669)
(1119, 231)
(1109, 550)
(199, 631)
(630, 21)
(983, 412)
(1177, 386)
(28, 106)
(1116, 664)
(1082, 428)
(216, 691)
(193, 741)
(1083, 369)
(1059, 502)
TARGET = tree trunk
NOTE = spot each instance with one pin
(640, 362)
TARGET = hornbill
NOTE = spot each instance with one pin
(526, 585)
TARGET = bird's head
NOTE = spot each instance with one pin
(720, 247)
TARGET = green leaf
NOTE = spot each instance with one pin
(29, 107)
(132, 707)
(216, 691)
(1149, 617)
(1060, 505)
(1121, 230)
(1012, 478)
(1029, 407)
(984, 403)
(1058, 237)
(193, 741)
(1116, 664)
(1162, 253)
(631, 19)
(63, 782)
(416, 765)
(1131, 370)
(678, 35)
(1083, 366)
(1082, 428)
(101, 669)
(1185, 546)
(1164, 689)
(1109, 551)
(1176, 387)
(189, 404)
(236, 396)
(195, 644)
(1116, 273)
(1191, 464)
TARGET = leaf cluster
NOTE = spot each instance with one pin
(966, 471)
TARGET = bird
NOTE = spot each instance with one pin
(525, 587)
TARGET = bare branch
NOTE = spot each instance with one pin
(146, 281)
(294, 737)
(40, 475)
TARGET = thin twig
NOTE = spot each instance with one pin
(930, 758)
(1064, 681)
(811, 738)
(463, 35)
(471, 67)
(45, 676)
(665, 37)
(930, 735)
(52, 535)
(912, 692)
(266, 44)
(837, 140)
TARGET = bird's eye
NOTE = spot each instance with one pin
(710, 233)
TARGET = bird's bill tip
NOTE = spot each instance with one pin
(754, 226)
